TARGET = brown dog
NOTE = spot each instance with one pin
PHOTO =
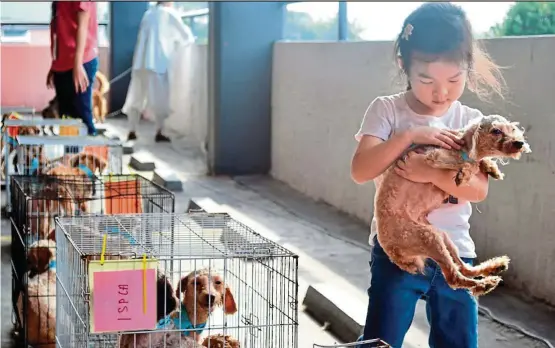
(99, 103)
(21, 130)
(40, 318)
(402, 206)
(202, 291)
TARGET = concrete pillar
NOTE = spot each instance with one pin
(125, 19)
(239, 87)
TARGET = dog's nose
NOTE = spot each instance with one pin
(211, 298)
(518, 144)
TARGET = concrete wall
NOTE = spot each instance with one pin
(23, 70)
(321, 91)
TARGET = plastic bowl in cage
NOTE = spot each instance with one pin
(374, 343)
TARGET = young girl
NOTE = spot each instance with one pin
(438, 55)
(74, 48)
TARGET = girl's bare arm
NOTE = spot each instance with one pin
(373, 155)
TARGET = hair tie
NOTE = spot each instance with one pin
(407, 31)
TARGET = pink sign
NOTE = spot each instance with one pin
(118, 301)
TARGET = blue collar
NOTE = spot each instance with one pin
(34, 166)
(181, 323)
(87, 170)
(465, 157)
(52, 264)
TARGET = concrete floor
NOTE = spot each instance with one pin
(332, 248)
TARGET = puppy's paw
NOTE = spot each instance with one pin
(486, 285)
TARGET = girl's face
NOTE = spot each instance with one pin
(436, 85)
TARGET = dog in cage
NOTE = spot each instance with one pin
(402, 206)
(40, 313)
(201, 292)
(11, 143)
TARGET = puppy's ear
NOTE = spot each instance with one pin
(182, 286)
(97, 163)
(230, 307)
(77, 159)
(470, 138)
(52, 235)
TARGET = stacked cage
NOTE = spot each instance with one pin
(37, 200)
(217, 283)
(14, 125)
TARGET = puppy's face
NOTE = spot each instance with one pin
(91, 161)
(40, 254)
(203, 290)
(495, 136)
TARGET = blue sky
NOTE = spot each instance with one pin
(383, 20)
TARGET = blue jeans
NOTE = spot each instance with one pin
(72, 104)
(393, 293)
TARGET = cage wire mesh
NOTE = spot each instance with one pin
(37, 155)
(11, 128)
(37, 200)
(200, 252)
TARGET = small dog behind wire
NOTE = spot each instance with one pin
(202, 291)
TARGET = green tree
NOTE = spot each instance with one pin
(298, 25)
(527, 18)
(301, 26)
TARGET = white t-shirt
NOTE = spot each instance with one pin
(389, 115)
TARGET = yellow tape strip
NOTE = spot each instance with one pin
(103, 249)
(144, 283)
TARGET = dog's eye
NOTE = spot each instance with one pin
(218, 282)
(496, 131)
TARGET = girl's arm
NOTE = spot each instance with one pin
(83, 16)
(373, 155)
(476, 190)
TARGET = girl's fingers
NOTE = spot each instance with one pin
(449, 141)
(439, 142)
(453, 135)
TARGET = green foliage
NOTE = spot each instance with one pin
(298, 25)
(301, 26)
(527, 18)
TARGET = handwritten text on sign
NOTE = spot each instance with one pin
(117, 301)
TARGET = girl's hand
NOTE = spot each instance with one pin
(50, 79)
(80, 79)
(445, 138)
(414, 168)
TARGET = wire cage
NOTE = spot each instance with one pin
(19, 125)
(373, 343)
(38, 155)
(37, 200)
(232, 284)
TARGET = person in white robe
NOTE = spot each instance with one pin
(161, 32)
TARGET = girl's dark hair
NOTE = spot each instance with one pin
(441, 30)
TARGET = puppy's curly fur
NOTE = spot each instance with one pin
(402, 206)
(40, 314)
(221, 341)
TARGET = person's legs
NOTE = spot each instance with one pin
(159, 102)
(65, 94)
(135, 102)
(452, 314)
(83, 100)
(393, 294)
